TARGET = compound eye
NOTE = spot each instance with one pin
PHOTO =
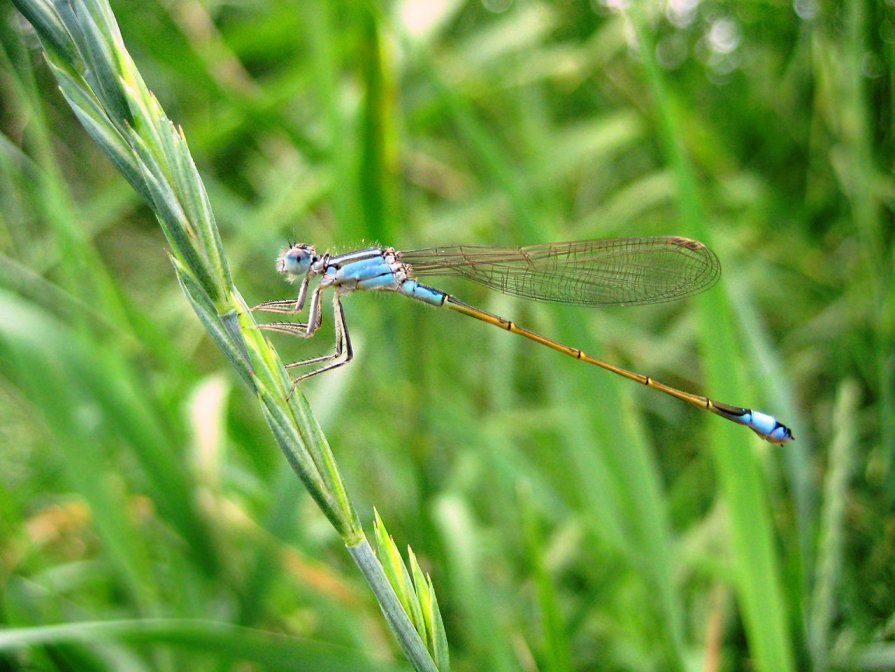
(296, 260)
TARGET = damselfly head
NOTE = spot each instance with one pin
(296, 259)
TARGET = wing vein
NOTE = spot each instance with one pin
(619, 271)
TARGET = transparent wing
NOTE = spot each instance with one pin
(620, 271)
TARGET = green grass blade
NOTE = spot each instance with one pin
(378, 164)
(833, 517)
(553, 632)
(757, 572)
(228, 642)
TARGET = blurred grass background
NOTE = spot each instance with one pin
(570, 521)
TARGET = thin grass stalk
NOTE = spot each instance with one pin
(867, 205)
(832, 532)
(98, 78)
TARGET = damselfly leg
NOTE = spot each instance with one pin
(343, 352)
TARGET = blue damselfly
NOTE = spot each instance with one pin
(622, 271)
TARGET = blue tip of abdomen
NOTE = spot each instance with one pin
(767, 427)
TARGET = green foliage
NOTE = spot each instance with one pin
(568, 520)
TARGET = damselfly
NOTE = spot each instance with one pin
(623, 271)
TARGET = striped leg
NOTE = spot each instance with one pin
(315, 316)
(287, 305)
(343, 352)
